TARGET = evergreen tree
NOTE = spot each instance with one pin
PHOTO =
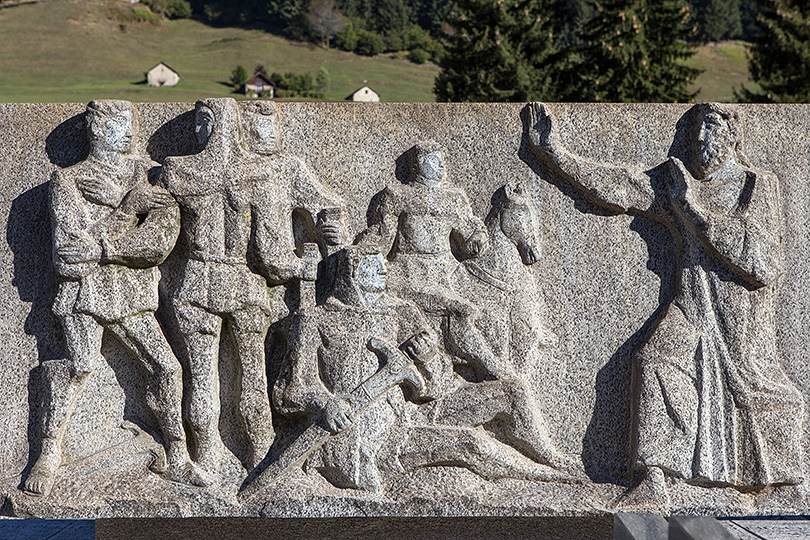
(780, 57)
(634, 51)
(501, 50)
(720, 19)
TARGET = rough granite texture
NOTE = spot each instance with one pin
(596, 280)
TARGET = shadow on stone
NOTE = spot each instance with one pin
(174, 138)
(67, 144)
(606, 452)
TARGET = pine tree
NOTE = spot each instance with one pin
(633, 50)
(720, 19)
(500, 50)
(780, 57)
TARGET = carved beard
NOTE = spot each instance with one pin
(711, 155)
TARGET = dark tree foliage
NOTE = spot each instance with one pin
(431, 14)
(718, 20)
(238, 77)
(500, 50)
(633, 50)
(780, 58)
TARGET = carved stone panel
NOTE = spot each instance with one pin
(260, 309)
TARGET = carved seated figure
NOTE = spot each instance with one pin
(413, 224)
(111, 228)
(330, 357)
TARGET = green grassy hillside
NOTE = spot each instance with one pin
(725, 67)
(67, 51)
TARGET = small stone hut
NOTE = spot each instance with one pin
(364, 94)
(258, 85)
(162, 75)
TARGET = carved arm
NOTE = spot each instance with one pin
(619, 188)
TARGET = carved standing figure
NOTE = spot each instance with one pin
(111, 228)
(236, 200)
(713, 405)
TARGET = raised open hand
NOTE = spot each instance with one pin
(542, 131)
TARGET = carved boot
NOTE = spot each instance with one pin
(43, 474)
(175, 465)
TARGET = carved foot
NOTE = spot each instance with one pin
(211, 456)
(184, 471)
(43, 474)
(563, 463)
(544, 473)
(187, 473)
(650, 496)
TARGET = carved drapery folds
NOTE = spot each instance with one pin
(364, 357)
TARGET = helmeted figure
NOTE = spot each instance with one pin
(332, 353)
(236, 201)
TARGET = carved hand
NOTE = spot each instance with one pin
(332, 232)
(682, 193)
(477, 244)
(80, 249)
(420, 347)
(530, 256)
(144, 198)
(336, 414)
(101, 191)
(542, 131)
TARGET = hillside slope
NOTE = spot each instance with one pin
(65, 51)
(74, 51)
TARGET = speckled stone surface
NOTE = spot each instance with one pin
(603, 279)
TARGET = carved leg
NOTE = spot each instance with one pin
(249, 332)
(427, 446)
(462, 332)
(142, 335)
(65, 382)
(471, 343)
(201, 331)
(480, 403)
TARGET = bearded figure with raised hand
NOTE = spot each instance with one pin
(713, 406)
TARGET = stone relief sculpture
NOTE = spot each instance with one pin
(111, 228)
(512, 310)
(335, 379)
(413, 224)
(423, 354)
(713, 405)
(236, 200)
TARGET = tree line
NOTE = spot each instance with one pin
(575, 50)
(616, 50)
